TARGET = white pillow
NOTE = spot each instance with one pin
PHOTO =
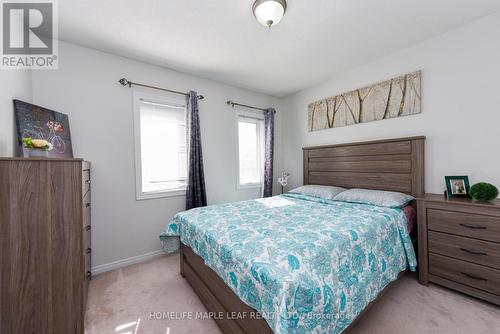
(389, 199)
(325, 192)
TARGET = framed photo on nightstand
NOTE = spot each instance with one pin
(457, 186)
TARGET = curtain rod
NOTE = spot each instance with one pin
(125, 82)
(232, 104)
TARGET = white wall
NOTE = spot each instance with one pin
(460, 105)
(14, 84)
(101, 119)
(461, 117)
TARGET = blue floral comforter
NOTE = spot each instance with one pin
(307, 265)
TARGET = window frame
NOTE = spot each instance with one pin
(139, 96)
(259, 118)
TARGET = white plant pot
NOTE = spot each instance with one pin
(38, 153)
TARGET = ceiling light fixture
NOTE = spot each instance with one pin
(269, 12)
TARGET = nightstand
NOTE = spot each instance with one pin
(459, 245)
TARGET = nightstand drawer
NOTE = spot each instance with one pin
(464, 224)
(472, 250)
(474, 275)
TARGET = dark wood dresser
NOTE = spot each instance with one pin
(459, 245)
(45, 245)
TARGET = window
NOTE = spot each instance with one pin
(250, 150)
(160, 146)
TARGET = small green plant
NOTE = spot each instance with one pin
(483, 191)
(41, 144)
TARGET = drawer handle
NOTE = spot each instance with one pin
(475, 227)
(87, 228)
(87, 205)
(477, 278)
(89, 250)
(472, 252)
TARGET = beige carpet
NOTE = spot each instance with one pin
(121, 301)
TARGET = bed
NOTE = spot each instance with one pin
(265, 266)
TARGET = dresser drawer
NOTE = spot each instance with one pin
(88, 270)
(472, 250)
(464, 224)
(86, 213)
(85, 181)
(474, 275)
(87, 242)
(86, 199)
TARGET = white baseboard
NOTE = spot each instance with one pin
(125, 262)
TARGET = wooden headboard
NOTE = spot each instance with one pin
(391, 164)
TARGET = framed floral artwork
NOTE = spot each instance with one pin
(37, 122)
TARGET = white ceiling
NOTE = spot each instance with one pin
(221, 40)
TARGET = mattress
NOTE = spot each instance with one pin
(307, 265)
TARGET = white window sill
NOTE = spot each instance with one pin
(249, 186)
(162, 194)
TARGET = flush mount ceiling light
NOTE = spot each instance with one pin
(269, 12)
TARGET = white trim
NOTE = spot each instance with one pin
(126, 262)
(258, 117)
(139, 96)
(250, 114)
(248, 185)
(160, 194)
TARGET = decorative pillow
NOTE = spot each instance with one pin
(389, 199)
(325, 192)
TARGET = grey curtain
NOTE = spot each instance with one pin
(269, 151)
(195, 191)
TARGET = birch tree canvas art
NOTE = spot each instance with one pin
(396, 97)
